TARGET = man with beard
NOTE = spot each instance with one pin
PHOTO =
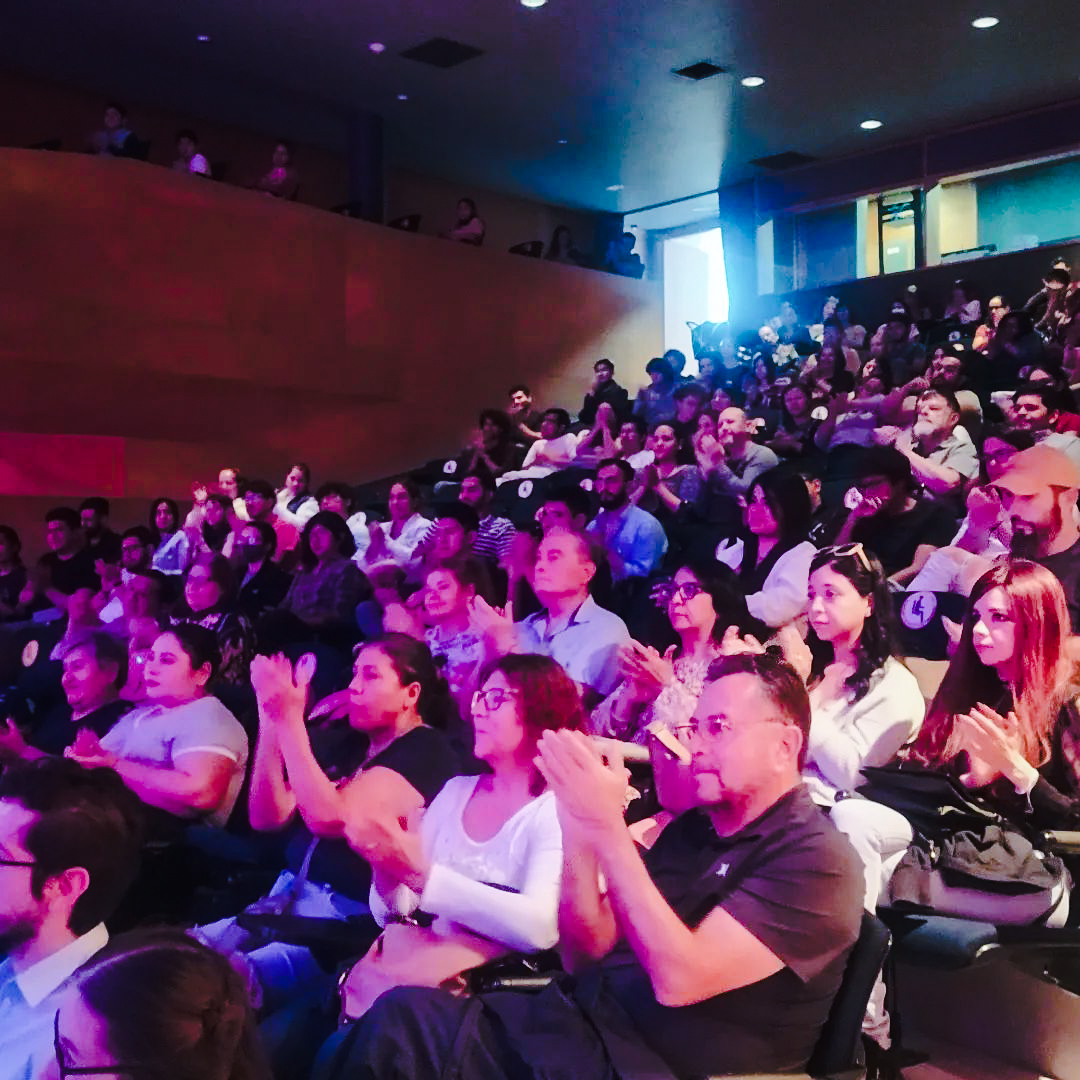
(1039, 492)
(69, 849)
(941, 454)
(1034, 410)
(633, 539)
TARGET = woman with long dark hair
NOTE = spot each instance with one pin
(702, 600)
(468, 228)
(328, 585)
(13, 575)
(772, 557)
(172, 549)
(561, 249)
(1002, 722)
(158, 1006)
(864, 702)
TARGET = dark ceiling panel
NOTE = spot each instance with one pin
(703, 69)
(442, 53)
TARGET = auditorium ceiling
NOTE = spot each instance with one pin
(574, 102)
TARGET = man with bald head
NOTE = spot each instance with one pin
(733, 461)
(572, 628)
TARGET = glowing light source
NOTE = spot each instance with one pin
(533, 3)
(753, 80)
(562, 142)
(203, 37)
(870, 125)
(376, 47)
(403, 97)
(985, 22)
(615, 187)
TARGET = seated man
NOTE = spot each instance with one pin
(622, 259)
(494, 535)
(565, 508)
(263, 584)
(690, 400)
(886, 515)
(66, 567)
(101, 542)
(338, 499)
(572, 628)
(555, 449)
(524, 416)
(260, 502)
(188, 158)
(942, 456)
(718, 951)
(732, 461)
(1034, 409)
(450, 536)
(95, 671)
(633, 436)
(604, 390)
(70, 840)
(634, 540)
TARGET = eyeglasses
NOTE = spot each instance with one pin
(67, 1070)
(718, 727)
(493, 698)
(848, 550)
(669, 591)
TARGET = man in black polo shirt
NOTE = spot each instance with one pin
(67, 566)
(719, 951)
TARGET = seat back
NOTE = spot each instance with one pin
(406, 223)
(532, 249)
(838, 1044)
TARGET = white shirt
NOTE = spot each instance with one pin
(505, 888)
(846, 735)
(301, 515)
(28, 1004)
(784, 594)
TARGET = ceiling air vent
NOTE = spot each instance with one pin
(703, 69)
(442, 53)
(789, 159)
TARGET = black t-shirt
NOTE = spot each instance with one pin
(791, 880)
(11, 585)
(56, 731)
(105, 546)
(423, 757)
(1065, 566)
(70, 575)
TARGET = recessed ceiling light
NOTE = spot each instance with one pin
(203, 37)
(533, 3)
(376, 47)
(753, 80)
(870, 125)
(403, 97)
(562, 142)
(986, 22)
(615, 187)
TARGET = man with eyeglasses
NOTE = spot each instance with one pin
(719, 951)
(69, 849)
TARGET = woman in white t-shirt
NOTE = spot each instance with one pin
(478, 876)
(181, 751)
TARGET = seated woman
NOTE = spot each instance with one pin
(601, 440)
(485, 862)
(701, 602)
(282, 180)
(773, 556)
(209, 598)
(181, 751)
(668, 487)
(864, 702)
(655, 403)
(316, 781)
(468, 228)
(396, 540)
(1002, 723)
(492, 446)
(216, 528)
(158, 998)
(794, 437)
(294, 502)
(328, 585)
(172, 549)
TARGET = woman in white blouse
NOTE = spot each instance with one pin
(478, 876)
(864, 702)
(395, 541)
(773, 557)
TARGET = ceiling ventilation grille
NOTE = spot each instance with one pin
(789, 159)
(442, 53)
(703, 69)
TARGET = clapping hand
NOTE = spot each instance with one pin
(645, 669)
(994, 747)
(494, 623)
(87, 750)
(12, 743)
(589, 783)
(734, 645)
(281, 690)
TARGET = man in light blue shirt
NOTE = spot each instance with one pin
(69, 849)
(634, 540)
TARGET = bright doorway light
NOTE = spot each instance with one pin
(695, 288)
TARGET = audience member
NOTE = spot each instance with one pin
(172, 548)
(525, 417)
(282, 180)
(964, 305)
(655, 403)
(136, 556)
(687, 989)
(773, 556)
(182, 752)
(600, 441)
(669, 488)
(733, 461)
(70, 839)
(156, 998)
(101, 542)
(622, 259)
(188, 158)
(450, 537)
(337, 498)
(554, 450)
(66, 567)
(294, 502)
(1034, 410)
(215, 535)
(493, 534)
(632, 538)
(262, 584)
(116, 137)
(13, 575)
(997, 309)
(632, 445)
(228, 484)
(604, 390)
(260, 503)
(469, 228)
(492, 447)
(396, 540)
(794, 438)
(567, 507)
(562, 250)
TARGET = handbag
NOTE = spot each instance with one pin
(936, 805)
